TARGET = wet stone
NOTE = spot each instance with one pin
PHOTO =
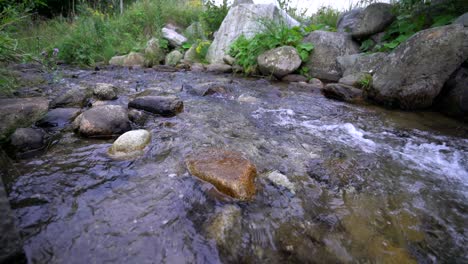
(130, 144)
(228, 171)
(102, 121)
(105, 91)
(342, 92)
(25, 139)
(206, 89)
(59, 117)
(162, 105)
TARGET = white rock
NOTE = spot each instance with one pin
(130, 143)
(174, 38)
(281, 180)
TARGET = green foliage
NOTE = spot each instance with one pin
(326, 18)
(202, 49)
(367, 45)
(365, 82)
(274, 35)
(213, 16)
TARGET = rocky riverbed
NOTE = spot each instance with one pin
(335, 182)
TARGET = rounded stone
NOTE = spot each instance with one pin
(130, 143)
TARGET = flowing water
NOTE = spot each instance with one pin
(369, 185)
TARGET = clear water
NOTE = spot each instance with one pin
(371, 185)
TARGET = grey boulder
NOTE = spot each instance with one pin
(102, 121)
(342, 92)
(173, 58)
(162, 105)
(59, 117)
(175, 39)
(105, 91)
(328, 46)
(453, 100)
(413, 74)
(279, 62)
(26, 139)
(373, 19)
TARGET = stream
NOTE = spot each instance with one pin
(370, 185)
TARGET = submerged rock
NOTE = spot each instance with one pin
(342, 92)
(228, 171)
(281, 180)
(27, 139)
(243, 20)
(59, 117)
(20, 112)
(408, 78)
(130, 144)
(206, 88)
(327, 47)
(161, 105)
(279, 62)
(102, 121)
(105, 91)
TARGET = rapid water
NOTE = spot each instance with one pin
(370, 185)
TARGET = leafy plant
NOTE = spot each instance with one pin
(365, 82)
(213, 16)
(326, 17)
(274, 34)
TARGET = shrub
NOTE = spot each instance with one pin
(274, 34)
(325, 18)
(213, 16)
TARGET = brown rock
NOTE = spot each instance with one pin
(228, 171)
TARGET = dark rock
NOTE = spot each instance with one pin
(74, 97)
(328, 46)
(105, 91)
(103, 121)
(206, 88)
(348, 20)
(360, 63)
(138, 117)
(20, 112)
(408, 77)
(453, 99)
(279, 61)
(294, 78)
(342, 92)
(373, 19)
(228, 171)
(11, 246)
(161, 105)
(353, 79)
(27, 139)
(59, 117)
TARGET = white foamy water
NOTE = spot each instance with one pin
(426, 156)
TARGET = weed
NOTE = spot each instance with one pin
(365, 82)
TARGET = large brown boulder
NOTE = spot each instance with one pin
(413, 74)
(228, 171)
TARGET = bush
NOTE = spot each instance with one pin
(274, 35)
(213, 16)
(325, 18)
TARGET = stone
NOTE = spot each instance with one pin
(11, 245)
(228, 171)
(342, 92)
(229, 60)
(279, 62)
(360, 63)
(134, 59)
(153, 53)
(72, 97)
(197, 67)
(226, 230)
(130, 144)
(173, 58)
(191, 55)
(27, 139)
(462, 20)
(20, 112)
(206, 88)
(281, 180)
(244, 20)
(353, 79)
(105, 91)
(347, 21)
(453, 100)
(373, 19)
(138, 117)
(117, 60)
(175, 39)
(316, 83)
(408, 78)
(219, 68)
(294, 78)
(328, 46)
(162, 105)
(195, 31)
(59, 117)
(102, 121)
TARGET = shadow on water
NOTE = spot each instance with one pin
(370, 185)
